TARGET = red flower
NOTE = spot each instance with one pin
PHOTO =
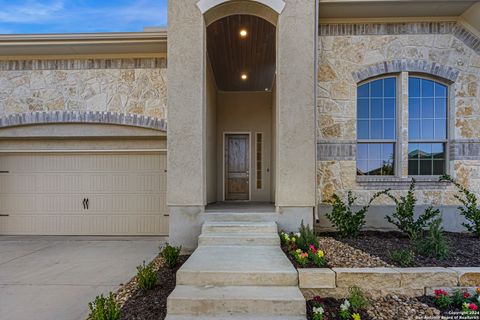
(466, 295)
(440, 292)
(318, 299)
(473, 306)
(312, 248)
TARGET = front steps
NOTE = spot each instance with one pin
(238, 272)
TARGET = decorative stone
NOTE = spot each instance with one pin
(368, 278)
(468, 276)
(419, 278)
(316, 278)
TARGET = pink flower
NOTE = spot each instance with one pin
(466, 295)
(440, 292)
(312, 248)
(473, 306)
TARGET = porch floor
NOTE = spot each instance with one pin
(240, 207)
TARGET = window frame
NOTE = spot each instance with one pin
(396, 141)
(448, 133)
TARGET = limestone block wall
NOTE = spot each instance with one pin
(119, 86)
(351, 53)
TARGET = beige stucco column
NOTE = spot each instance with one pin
(295, 171)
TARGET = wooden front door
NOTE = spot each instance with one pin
(237, 161)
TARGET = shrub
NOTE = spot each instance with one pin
(470, 209)
(342, 217)
(306, 238)
(146, 276)
(404, 216)
(434, 244)
(357, 299)
(404, 257)
(170, 255)
(104, 308)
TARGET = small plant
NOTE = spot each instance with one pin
(404, 216)
(345, 310)
(317, 256)
(104, 308)
(170, 255)
(318, 313)
(470, 206)
(306, 238)
(434, 244)
(301, 257)
(442, 300)
(347, 222)
(146, 276)
(403, 257)
(458, 298)
(357, 299)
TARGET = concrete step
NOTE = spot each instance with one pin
(238, 266)
(241, 216)
(239, 301)
(239, 239)
(232, 317)
(239, 227)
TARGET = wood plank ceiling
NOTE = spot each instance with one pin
(232, 55)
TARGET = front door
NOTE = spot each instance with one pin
(237, 161)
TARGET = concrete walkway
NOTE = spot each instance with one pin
(45, 278)
(237, 272)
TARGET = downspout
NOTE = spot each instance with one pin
(316, 26)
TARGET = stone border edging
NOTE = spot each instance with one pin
(335, 282)
(58, 117)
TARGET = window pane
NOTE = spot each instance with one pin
(427, 88)
(388, 168)
(362, 130)
(362, 109)
(440, 108)
(413, 151)
(425, 150)
(389, 129)
(413, 167)
(377, 108)
(414, 108)
(413, 87)
(362, 167)
(427, 129)
(387, 151)
(375, 158)
(376, 129)
(389, 108)
(375, 167)
(438, 167)
(427, 108)
(390, 89)
(363, 91)
(440, 90)
(440, 129)
(362, 151)
(414, 129)
(375, 151)
(376, 89)
(438, 150)
(426, 167)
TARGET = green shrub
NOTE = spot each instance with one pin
(104, 308)
(170, 255)
(434, 243)
(404, 216)
(342, 217)
(146, 276)
(306, 238)
(357, 299)
(470, 209)
(404, 258)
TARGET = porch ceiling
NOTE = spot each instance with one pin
(232, 55)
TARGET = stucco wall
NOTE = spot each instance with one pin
(346, 52)
(127, 86)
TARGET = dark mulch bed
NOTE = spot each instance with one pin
(452, 312)
(298, 265)
(152, 304)
(464, 248)
(332, 308)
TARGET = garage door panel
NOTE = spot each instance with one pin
(43, 193)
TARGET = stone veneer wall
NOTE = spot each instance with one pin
(125, 87)
(350, 53)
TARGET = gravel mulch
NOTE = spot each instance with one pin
(152, 304)
(396, 307)
(464, 248)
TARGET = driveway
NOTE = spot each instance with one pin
(55, 277)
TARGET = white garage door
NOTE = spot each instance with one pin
(66, 193)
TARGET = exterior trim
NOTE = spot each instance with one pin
(83, 64)
(337, 150)
(464, 150)
(51, 117)
(276, 5)
(406, 65)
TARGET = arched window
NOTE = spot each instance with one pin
(376, 127)
(427, 126)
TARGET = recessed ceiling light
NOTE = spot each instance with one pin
(243, 33)
(266, 89)
(244, 76)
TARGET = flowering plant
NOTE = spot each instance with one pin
(356, 316)
(301, 257)
(317, 256)
(318, 313)
(442, 299)
(345, 310)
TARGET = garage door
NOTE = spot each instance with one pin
(71, 193)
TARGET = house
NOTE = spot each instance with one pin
(268, 101)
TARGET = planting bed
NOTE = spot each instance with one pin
(332, 307)
(152, 304)
(464, 248)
